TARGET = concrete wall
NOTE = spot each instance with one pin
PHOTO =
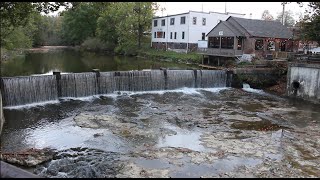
(1, 114)
(258, 78)
(304, 81)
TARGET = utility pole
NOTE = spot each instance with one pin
(283, 5)
(225, 7)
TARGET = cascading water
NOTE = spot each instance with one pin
(211, 78)
(131, 81)
(29, 89)
(180, 79)
(78, 85)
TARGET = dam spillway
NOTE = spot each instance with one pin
(24, 90)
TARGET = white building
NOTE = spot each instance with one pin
(186, 30)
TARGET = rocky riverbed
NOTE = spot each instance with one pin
(184, 133)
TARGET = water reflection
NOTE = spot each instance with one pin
(71, 61)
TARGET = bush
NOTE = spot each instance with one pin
(94, 44)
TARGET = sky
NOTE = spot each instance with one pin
(256, 8)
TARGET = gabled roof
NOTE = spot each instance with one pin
(263, 28)
(232, 28)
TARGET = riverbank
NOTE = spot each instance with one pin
(188, 58)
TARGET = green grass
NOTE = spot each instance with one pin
(190, 57)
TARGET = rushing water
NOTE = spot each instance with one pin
(187, 132)
(35, 89)
(70, 61)
(174, 123)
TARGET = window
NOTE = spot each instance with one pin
(239, 47)
(155, 35)
(182, 35)
(171, 21)
(194, 20)
(203, 36)
(259, 44)
(155, 23)
(203, 21)
(175, 35)
(271, 45)
(183, 20)
(164, 34)
(214, 42)
(227, 42)
(163, 22)
(160, 34)
(170, 35)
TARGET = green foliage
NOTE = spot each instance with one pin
(18, 14)
(79, 23)
(18, 39)
(93, 44)
(123, 24)
(244, 63)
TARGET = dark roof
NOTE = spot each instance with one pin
(263, 28)
(232, 28)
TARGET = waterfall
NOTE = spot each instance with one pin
(28, 89)
(31, 89)
(131, 81)
(180, 78)
(78, 84)
(211, 78)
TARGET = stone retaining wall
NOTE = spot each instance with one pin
(303, 81)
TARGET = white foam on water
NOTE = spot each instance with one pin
(214, 90)
(115, 95)
(26, 106)
(246, 87)
(86, 98)
(184, 90)
(50, 73)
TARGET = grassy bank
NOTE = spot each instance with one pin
(172, 56)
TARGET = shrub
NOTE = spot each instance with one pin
(94, 44)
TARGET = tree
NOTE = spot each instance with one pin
(123, 24)
(80, 22)
(17, 14)
(267, 16)
(288, 18)
(310, 24)
(143, 11)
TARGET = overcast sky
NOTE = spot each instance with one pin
(256, 8)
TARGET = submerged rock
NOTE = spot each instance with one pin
(93, 121)
(81, 163)
(29, 157)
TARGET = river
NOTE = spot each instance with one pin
(71, 61)
(184, 132)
